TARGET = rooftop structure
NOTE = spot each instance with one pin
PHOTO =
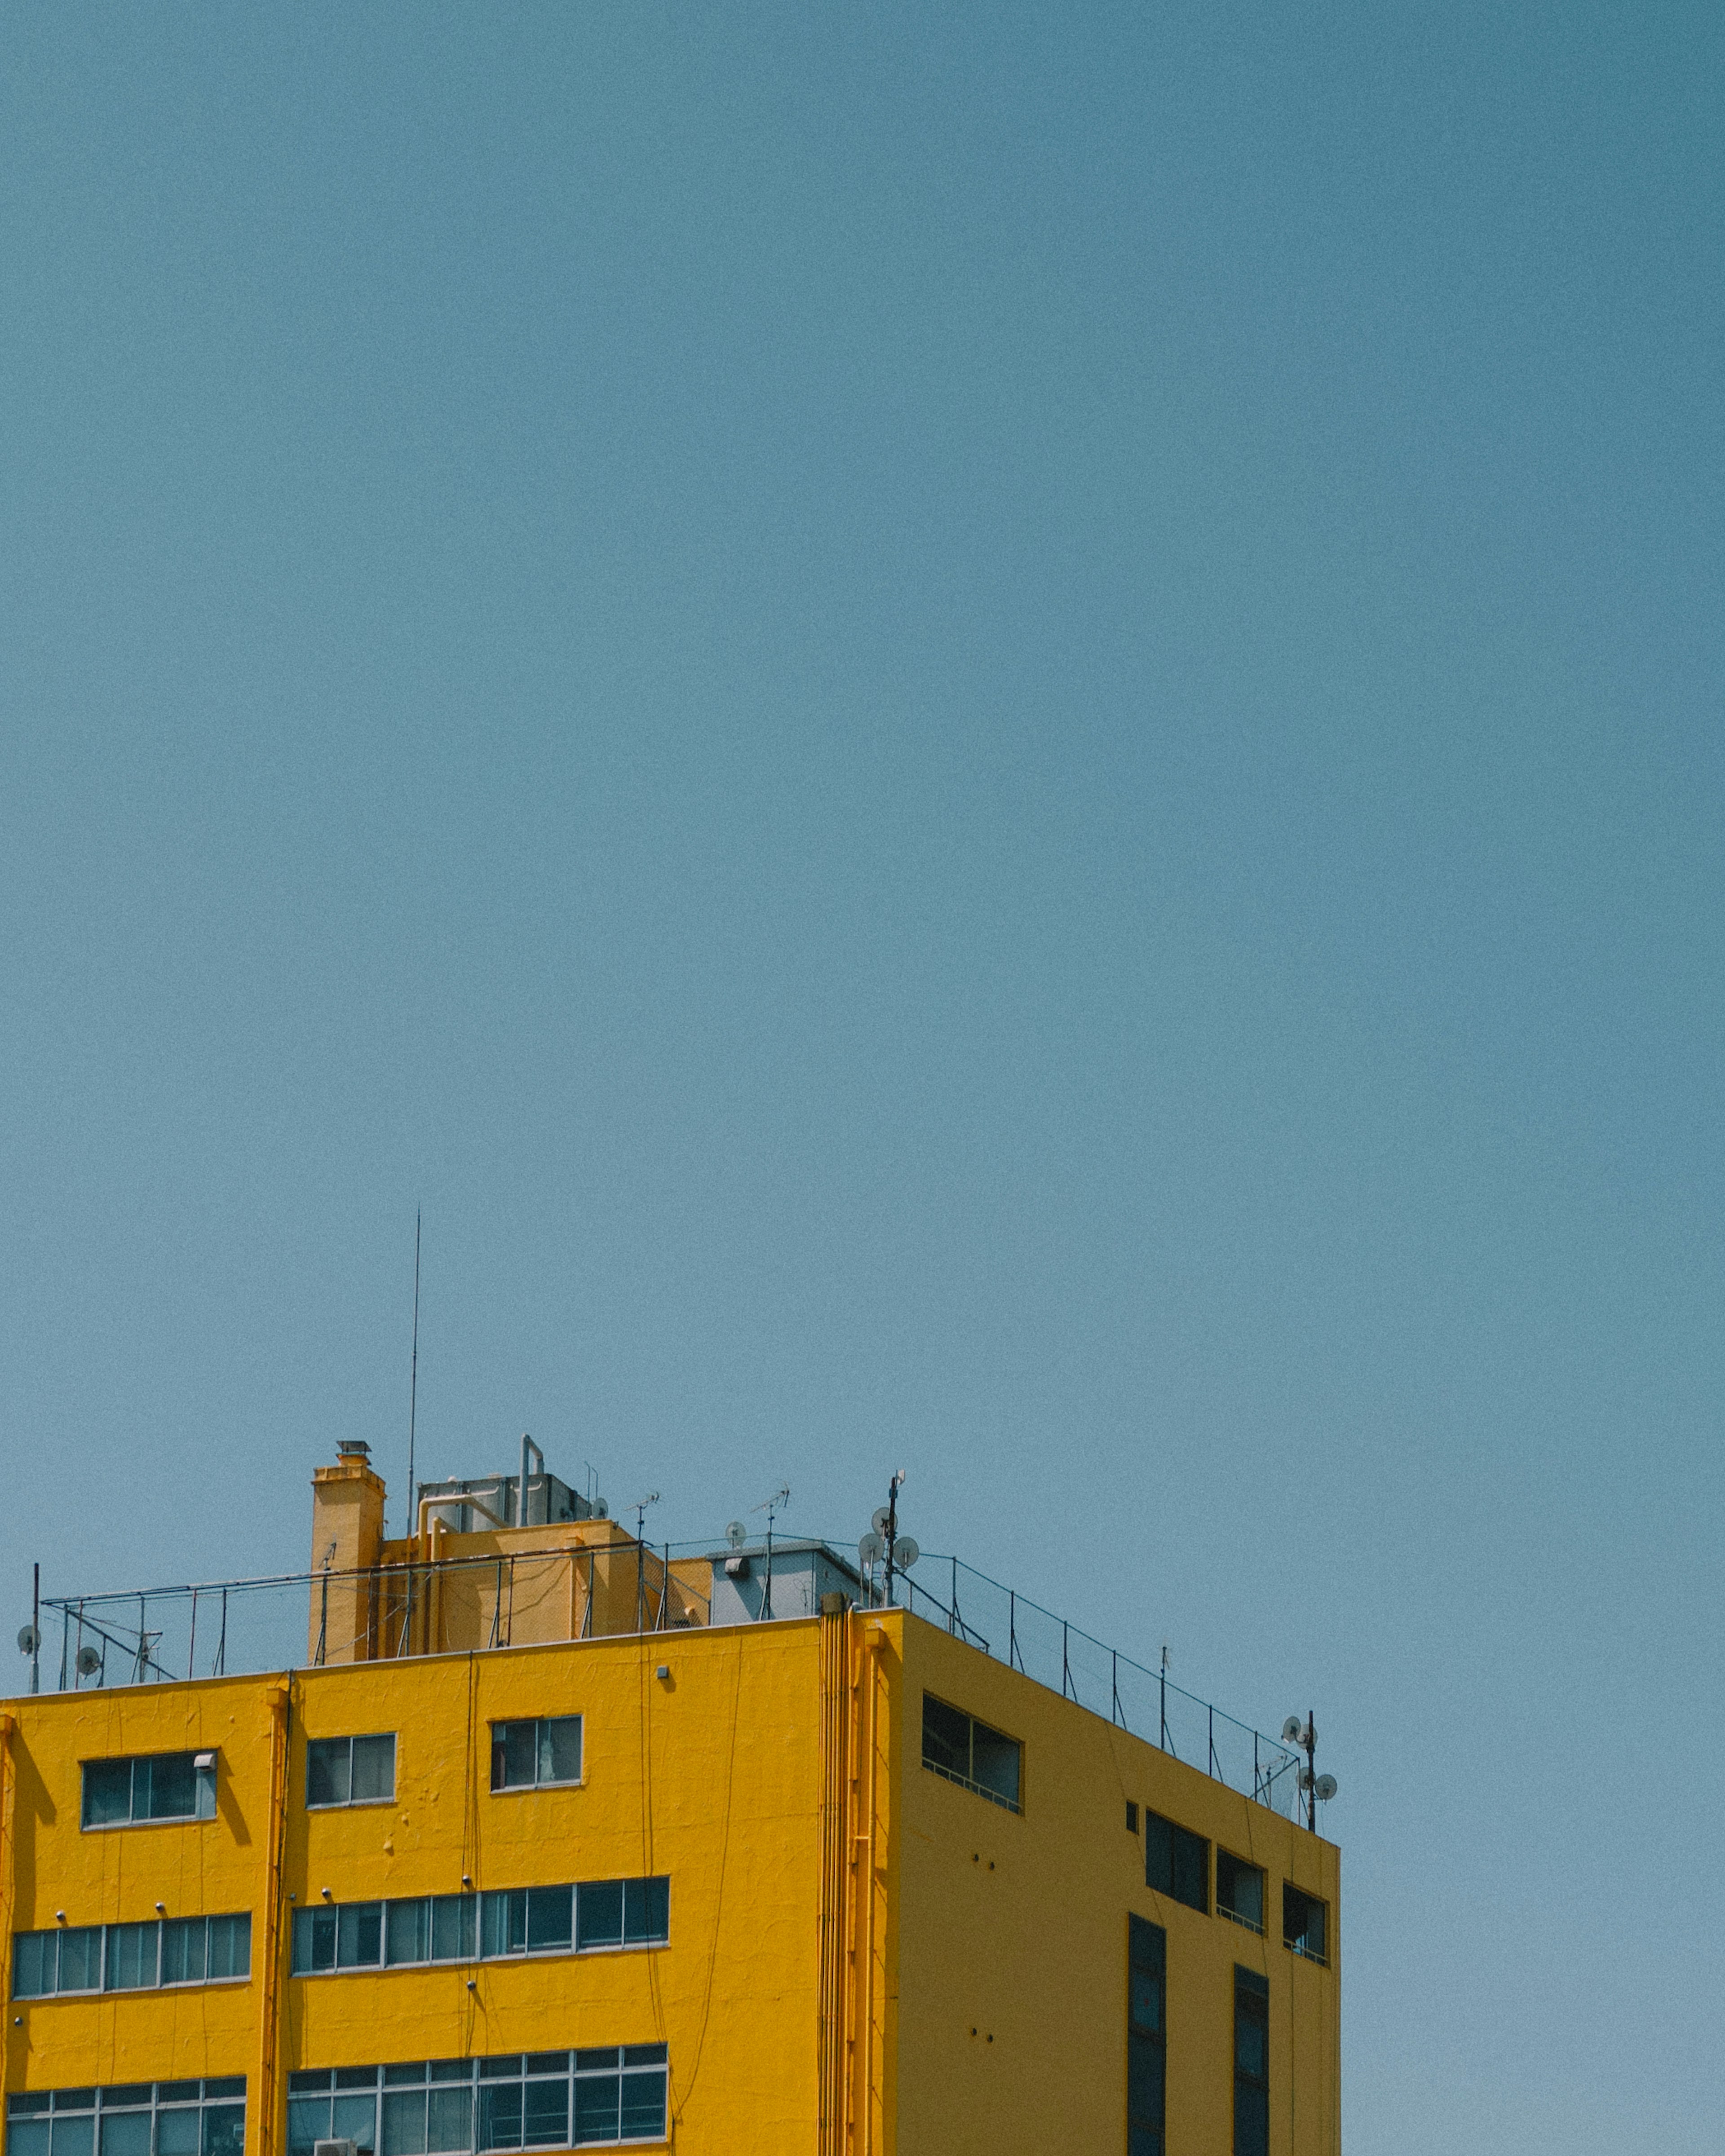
(519, 1831)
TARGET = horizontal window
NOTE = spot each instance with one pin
(167, 1785)
(1239, 1891)
(492, 1927)
(349, 1770)
(144, 2119)
(1175, 1863)
(132, 1956)
(1303, 1926)
(465, 2107)
(966, 1751)
(527, 1755)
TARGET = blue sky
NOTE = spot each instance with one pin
(985, 739)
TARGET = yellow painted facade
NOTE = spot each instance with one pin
(863, 1958)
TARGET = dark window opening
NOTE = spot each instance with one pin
(1145, 2038)
(527, 1755)
(1303, 1927)
(1176, 1863)
(966, 1751)
(1252, 2063)
(349, 1770)
(1239, 1891)
(1131, 1817)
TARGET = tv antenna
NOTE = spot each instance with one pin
(413, 1377)
(772, 1506)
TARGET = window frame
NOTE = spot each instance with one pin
(328, 2087)
(203, 1791)
(349, 1802)
(536, 1722)
(104, 1985)
(973, 1722)
(491, 1911)
(221, 2096)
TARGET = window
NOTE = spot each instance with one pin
(527, 1755)
(1239, 1891)
(969, 1752)
(490, 1926)
(132, 1956)
(167, 1785)
(1252, 2063)
(173, 2118)
(1146, 2037)
(1303, 1924)
(1132, 1818)
(349, 1770)
(451, 2107)
(1176, 1863)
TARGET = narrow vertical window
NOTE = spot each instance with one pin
(1252, 2063)
(1176, 1863)
(1145, 2038)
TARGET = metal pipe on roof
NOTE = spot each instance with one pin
(458, 1498)
(521, 1507)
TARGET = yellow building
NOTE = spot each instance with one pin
(562, 1841)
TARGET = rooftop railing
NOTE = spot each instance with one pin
(237, 1627)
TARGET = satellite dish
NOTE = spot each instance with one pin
(1324, 1788)
(601, 1510)
(1293, 1731)
(881, 1520)
(905, 1552)
(871, 1549)
(88, 1662)
(736, 1534)
(29, 1641)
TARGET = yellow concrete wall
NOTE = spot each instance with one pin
(1016, 1927)
(713, 1778)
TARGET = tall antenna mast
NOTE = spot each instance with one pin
(413, 1375)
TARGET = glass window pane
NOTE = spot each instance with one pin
(449, 2119)
(946, 1737)
(1251, 2121)
(408, 2076)
(81, 1958)
(590, 2062)
(994, 1762)
(183, 1950)
(520, 1754)
(643, 2108)
(176, 2132)
(545, 2115)
(500, 2115)
(107, 1792)
(1147, 2001)
(451, 2070)
(308, 2121)
(356, 2077)
(407, 1936)
(1191, 1881)
(373, 1772)
(644, 2055)
(548, 1917)
(1143, 2078)
(228, 2085)
(173, 1793)
(355, 2119)
(204, 1805)
(27, 2137)
(601, 1913)
(404, 2123)
(132, 1956)
(596, 2108)
(359, 1937)
(178, 2092)
(327, 1763)
(125, 2133)
(224, 2129)
(230, 1946)
(560, 1748)
(74, 2137)
(452, 1927)
(33, 1957)
(304, 2082)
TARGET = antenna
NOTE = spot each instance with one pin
(772, 1506)
(1316, 1789)
(890, 1535)
(413, 1374)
